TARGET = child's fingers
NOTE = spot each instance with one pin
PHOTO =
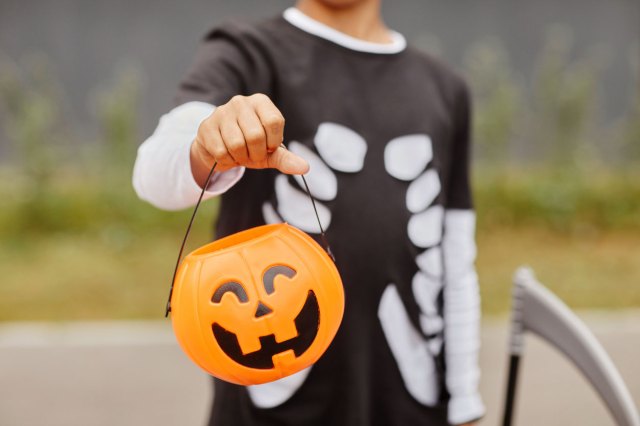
(234, 141)
(248, 131)
(208, 147)
(271, 119)
(254, 135)
(287, 162)
(216, 147)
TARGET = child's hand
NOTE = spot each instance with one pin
(246, 131)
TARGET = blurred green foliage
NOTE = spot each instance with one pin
(498, 97)
(117, 114)
(552, 118)
(559, 200)
(75, 241)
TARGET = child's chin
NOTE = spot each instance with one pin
(340, 3)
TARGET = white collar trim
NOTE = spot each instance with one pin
(298, 19)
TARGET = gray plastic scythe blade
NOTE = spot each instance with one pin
(538, 310)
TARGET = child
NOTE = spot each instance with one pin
(383, 132)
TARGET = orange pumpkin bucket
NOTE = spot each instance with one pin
(257, 305)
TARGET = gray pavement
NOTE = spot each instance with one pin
(133, 373)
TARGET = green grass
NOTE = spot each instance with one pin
(597, 270)
(115, 273)
(564, 200)
(86, 277)
(109, 276)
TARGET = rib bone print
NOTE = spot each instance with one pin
(339, 148)
(407, 158)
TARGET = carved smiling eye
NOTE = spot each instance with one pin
(233, 287)
(272, 273)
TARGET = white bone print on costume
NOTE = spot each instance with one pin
(339, 148)
(294, 207)
(272, 394)
(342, 148)
(408, 158)
(405, 157)
(323, 184)
(409, 348)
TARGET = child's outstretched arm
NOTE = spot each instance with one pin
(220, 118)
(173, 164)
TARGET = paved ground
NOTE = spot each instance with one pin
(133, 374)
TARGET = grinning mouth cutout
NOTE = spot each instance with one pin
(307, 323)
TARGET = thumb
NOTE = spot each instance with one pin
(287, 162)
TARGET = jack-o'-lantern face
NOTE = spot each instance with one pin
(293, 329)
(258, 305)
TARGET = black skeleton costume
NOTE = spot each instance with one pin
(385, 129)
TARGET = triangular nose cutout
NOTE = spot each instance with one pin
(262, 310)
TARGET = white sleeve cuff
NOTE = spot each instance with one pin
(464, 409)
(162, 172)
(220, 182)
